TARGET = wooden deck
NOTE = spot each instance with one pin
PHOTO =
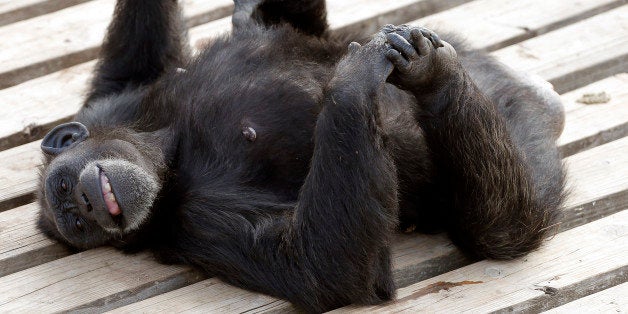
(47, 50)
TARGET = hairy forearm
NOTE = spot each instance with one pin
(144, 38)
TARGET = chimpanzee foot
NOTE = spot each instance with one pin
(365, 65)
(242, 11)
(421, 59)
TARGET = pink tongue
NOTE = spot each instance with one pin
(112, 205)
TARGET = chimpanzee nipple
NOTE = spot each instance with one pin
(249, 133)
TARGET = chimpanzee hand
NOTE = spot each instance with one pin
(365, 66)
(421, 59)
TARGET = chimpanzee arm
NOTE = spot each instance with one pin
(497, 208)
(332, 248)
(143, 40)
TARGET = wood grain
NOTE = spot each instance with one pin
(599, 171)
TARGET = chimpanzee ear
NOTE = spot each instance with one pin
(62, 137)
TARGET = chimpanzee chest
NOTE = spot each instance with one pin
(278, 144)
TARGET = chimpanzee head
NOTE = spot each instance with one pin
(100, 184)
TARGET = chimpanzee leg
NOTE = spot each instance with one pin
(307, 16)
(534, 117)
(144, 39)
(497, 207)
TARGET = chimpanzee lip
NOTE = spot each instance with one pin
(108, 195)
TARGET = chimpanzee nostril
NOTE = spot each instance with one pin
(88, 205)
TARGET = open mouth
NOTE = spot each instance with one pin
(108, 196)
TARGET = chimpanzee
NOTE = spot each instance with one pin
(285, 155)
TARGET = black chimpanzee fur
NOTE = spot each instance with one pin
(283, 158)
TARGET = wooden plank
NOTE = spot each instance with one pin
(587, 126)
(494, 24)
(73, 35)
(12, 11)
(31, 109)
(594, 194)
(611, 300)
(573, 264)
(22, 245)
(597, 48)
(224, 299)
(598, 175)
(18, 175)
(96, 279)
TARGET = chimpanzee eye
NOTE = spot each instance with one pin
(64, 185)
(78, 224)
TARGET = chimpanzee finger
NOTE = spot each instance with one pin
(433, 37)
(421, 43)
(398, 60)
(402, 45)
(353, 47)
(388, 28)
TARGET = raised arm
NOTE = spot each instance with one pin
(144, 39)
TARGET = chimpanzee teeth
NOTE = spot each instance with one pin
(107, 187)
(111, 197)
